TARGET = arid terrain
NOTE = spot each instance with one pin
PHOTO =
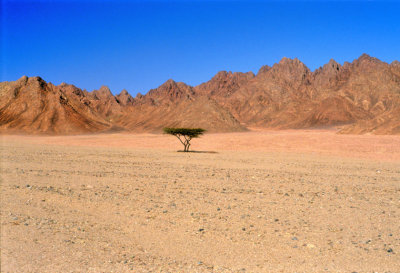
(257, 201)
(361, 97)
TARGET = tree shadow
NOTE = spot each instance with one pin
(199, 152)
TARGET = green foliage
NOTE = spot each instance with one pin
(190, 132)
(184, 135)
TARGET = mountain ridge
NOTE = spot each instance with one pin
(360, 97)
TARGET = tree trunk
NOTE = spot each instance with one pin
(187, 145)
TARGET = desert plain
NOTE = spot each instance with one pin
(257, 201)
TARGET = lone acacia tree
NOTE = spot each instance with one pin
(184, 135)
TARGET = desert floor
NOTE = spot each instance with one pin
(260, 201)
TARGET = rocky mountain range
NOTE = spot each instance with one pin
(358, 97)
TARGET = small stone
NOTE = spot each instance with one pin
(201, 229)
(295, 239)
(244, 229)
(165, 211)
(390, 250)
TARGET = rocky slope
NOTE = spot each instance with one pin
(33, 106)
(359, 97)
(289, 95)
(175, 104)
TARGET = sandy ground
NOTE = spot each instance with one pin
(277, 201)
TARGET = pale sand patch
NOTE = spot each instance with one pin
(275, 201)
(322, 142)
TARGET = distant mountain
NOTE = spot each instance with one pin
(361, 97)
(31, 105)
(358, 97)
(176, 104)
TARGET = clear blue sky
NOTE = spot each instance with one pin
(138, 45)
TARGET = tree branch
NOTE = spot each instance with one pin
(179, 137)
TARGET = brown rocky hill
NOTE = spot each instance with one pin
(124, 98)
(33, 106)
(224, 83)
(30, 105)
(358, 97)
(175, 104)
(363, 94)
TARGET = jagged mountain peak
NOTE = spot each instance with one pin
(367, 59)
(170, 91)
(124, 97)
(290, 65)
(222, 74)
(124, 92)
(263, 69)
(40, 107)
(23, 79)
(36, 80)
(365, 92)
(333, 63)
(395, 63)
(169, 82)
(171, 85)
(225, 75)
(365, 56)
(290, 61)
(104, 89)
(224, 83)
(331, 67)
(103, 92)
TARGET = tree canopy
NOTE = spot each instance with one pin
(185, 135)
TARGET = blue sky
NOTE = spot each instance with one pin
(138, 45)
